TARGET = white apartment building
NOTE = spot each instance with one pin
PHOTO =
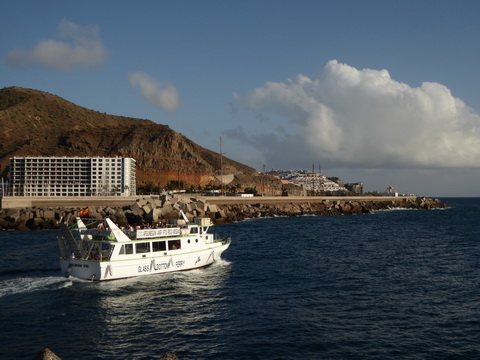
(72, 176)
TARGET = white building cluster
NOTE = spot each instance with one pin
(72, 176)
(309, 180)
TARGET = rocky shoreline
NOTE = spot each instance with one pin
(151, 210)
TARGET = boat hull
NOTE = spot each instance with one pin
(148, 265)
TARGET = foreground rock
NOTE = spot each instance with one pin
(150, 210)
(47, 354)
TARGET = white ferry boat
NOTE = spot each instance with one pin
(98, 250)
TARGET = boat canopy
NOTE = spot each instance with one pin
(119, 234)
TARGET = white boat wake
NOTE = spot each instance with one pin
(32, 284)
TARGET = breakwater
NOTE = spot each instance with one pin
(151, 210)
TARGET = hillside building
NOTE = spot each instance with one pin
(72, 176)
(310, 181)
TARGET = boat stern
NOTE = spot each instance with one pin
(82, 269)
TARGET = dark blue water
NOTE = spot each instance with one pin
(399, 284)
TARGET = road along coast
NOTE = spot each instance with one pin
(150, 210)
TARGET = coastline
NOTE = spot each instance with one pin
(45, 213)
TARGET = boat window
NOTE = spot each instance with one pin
(174, 245)
(142, 247)
(194, 230)
(159, 246)
(128, 249)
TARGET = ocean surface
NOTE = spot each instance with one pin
(397, 284)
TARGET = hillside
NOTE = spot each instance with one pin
(36, 123)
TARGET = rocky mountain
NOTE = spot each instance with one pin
(36, 123)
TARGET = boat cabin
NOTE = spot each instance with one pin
(101, 240)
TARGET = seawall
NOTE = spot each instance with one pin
(151, 210)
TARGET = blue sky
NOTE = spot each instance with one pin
(379, 92)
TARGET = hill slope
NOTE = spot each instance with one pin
(36, 123)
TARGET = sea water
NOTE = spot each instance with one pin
(398, 284)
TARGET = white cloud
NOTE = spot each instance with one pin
(361, 118)
(79, 46)
(164, 96)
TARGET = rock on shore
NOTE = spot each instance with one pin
(47, 354)
(237, 212)
(152, 210)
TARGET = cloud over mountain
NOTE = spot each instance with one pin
(80, 45)
(361, 118)
(165, 96)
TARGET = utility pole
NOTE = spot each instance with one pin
(320, 182)
(313, 179)
(320, 179)
(263, 182)
(221, 167)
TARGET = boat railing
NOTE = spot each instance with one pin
(140, 234)
(95, 232)
(217, 238)
(84, 240)
(226, 240)
(106, 254)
